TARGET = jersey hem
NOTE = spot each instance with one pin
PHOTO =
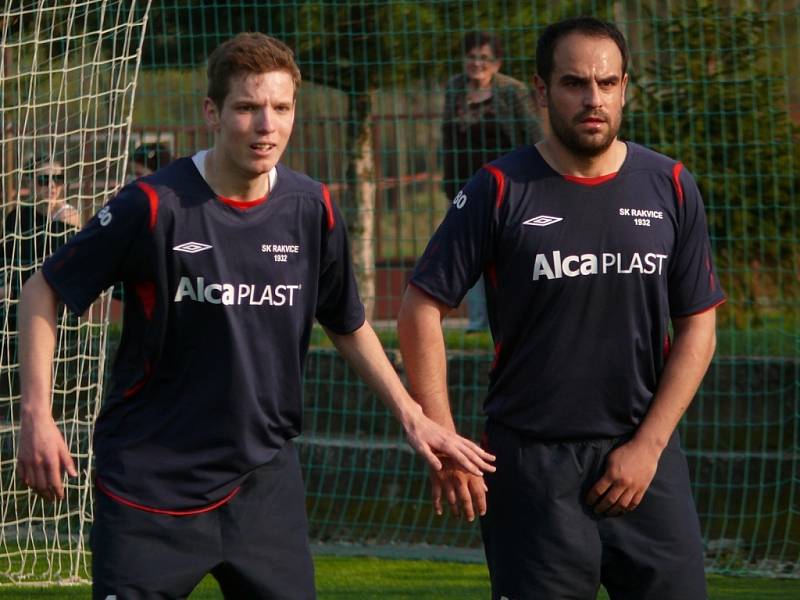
(347, 330)
(425, 290)
(698, 311)
(161, 511)
(68, 302)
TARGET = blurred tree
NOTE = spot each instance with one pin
(714, 97)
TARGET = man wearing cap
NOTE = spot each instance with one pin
(149, 158)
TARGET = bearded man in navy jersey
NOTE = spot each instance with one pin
(228, 257)
(591, 247)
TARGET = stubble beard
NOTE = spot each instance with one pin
(580, 145)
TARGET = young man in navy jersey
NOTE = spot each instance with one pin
(590, 247)
(229, 256)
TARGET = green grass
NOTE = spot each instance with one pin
(365, 578)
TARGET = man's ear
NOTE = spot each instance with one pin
(211, 113)
(540, 89)
(624, 87)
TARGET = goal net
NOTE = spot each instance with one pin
(67, 79)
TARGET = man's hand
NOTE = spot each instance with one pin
(42, 458)
(439, 446)
(630, 469)
(464, 492)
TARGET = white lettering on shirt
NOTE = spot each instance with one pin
(230, 294)
(574, 265)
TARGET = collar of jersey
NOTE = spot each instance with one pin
(242, 204)
(272, 176)
(590, 180)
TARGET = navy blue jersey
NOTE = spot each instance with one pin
(581, 284)
(219, 308)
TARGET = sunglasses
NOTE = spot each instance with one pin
(46, 179)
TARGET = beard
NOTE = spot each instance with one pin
(583, 145)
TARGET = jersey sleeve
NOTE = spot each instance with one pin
(462, 244)
(339, 307)
(693, 282)
(102, 253)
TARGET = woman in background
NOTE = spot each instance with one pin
(486, 114)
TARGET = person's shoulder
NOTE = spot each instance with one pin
(524, 162)
(26, 217)
(307, 192)
(659, 169)
(456, 82)
(175, 176)
(502, 80)
(643, 158)
(11, 217)
(297, 182)
(175, 187)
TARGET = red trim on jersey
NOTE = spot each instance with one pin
(159, 511)
(590, 180)
(497, 347)
(146, 291)
(491, 274)
(706, 309)
(667, 346)
(152, 196)
(676, 179)
(500, 178)
(326, 198)
(242, 204)
(134, 389)
(712, 283)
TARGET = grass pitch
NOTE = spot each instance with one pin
(366, 578)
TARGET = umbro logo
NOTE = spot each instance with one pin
(191, 247)
(542, 221)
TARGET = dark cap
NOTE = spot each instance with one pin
(152, 156)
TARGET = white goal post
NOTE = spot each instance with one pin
(68, 72)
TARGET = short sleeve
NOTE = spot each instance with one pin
(100, 254)
(339, 307)
(462, 245)
(693, 282)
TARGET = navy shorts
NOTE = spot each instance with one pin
(542, 541)
(255, 545)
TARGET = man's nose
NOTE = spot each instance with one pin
(266, 120)
(592, 97)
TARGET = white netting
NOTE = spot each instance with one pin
(67, 79)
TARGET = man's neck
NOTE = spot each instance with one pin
(234, 186)
(565, 162)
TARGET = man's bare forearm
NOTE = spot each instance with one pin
(688, 361)
(363, 351)
(419, 327)
(37, 326)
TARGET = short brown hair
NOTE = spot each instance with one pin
(476, 39)
(587, 26)
(245, 54)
